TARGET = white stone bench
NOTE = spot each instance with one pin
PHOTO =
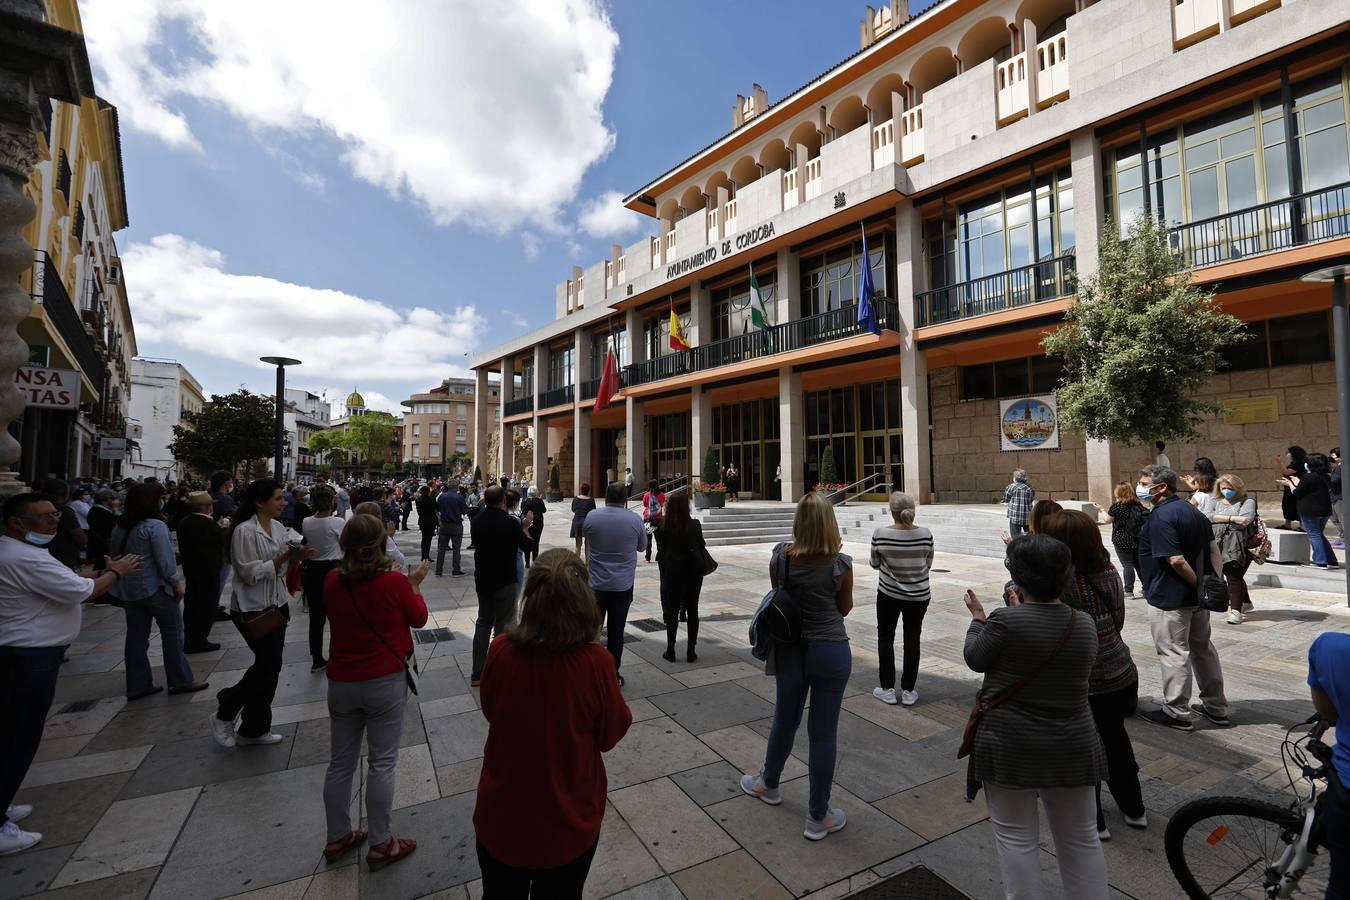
(1288, 546)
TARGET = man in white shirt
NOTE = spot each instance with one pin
(40, 614)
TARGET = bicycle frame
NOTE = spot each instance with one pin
(1298, 857)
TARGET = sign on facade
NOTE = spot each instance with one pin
(39, 355)
(112, 448)
(1028, 423)
(48, 388)
(1251, 410)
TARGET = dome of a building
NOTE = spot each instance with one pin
(354, 399)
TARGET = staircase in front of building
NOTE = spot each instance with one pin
(961, 529)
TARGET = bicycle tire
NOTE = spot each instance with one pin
(1238, 817)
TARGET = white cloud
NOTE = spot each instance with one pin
(181, 294)
(487, 113)
(605, 217)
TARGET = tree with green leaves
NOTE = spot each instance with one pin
(367, 437)
(328, 445)
(228, 430)
(828, 473)
(712, 470)
(1138, 343)
(554, 479)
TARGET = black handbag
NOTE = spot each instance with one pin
(1211, 590)
(706, 561)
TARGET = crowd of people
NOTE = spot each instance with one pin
(1047, 731)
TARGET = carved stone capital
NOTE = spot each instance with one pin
(18, 151)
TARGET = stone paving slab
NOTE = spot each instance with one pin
(132, 834)
(675, 831)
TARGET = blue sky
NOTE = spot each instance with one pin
(270, 213)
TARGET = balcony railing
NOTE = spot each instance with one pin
(592, 387)
(1308, 218)
(556, 397)
(790, 194)
(51, 293)
(63, 175)
(1194, 20)
(1052, 70)
(1012, 89)
(813, 179)
(798, 334)
(729, 216)
(883, 144)
(518, 406)
(911, 135)
(713, 234)
(1045, 280)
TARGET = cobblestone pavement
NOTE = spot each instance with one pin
(137, 801)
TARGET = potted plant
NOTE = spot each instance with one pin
(554, 485)
(829, 484)
(710, 492)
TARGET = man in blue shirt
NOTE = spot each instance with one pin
(1175, 540)
(452, 509)
(1329, 679)
(614, 537)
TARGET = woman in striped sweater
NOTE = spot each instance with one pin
(902, 554)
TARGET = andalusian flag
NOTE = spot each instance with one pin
(678, 341)
(758, 313)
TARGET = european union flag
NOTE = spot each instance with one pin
(867, 310)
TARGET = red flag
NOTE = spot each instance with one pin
(609, 382)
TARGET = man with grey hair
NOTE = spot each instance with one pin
(1019, 496)
(1177, 549)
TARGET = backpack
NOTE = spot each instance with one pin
(653, 507)
(778, 619)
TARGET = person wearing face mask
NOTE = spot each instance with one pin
(1175, 540)
(1233, 517)
(40, 616)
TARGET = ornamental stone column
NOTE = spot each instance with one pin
(38, 62)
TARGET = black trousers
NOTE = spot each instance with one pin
(535, 534)
(27, 687)
(1110, 711)
(428, 534)
(252, 695)
(614, 613)
(891, 611)
(313, 573)
(503, 882)
(201, 599)
(680, 589)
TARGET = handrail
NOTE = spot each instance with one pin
(662, 487)
(845, 490)
(1294, 221)
(1046, 279)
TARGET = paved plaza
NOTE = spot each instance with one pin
(137, 800)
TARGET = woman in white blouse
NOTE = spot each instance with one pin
(260, 549)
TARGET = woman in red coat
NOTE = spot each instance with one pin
(553, 705)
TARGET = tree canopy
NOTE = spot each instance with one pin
(228, 430)
(1138, 343)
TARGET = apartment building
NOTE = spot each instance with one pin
(438, 427)
(306, 414)
(983, 147)
(163, 392)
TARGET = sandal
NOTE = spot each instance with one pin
(390, 851)
(336, 849)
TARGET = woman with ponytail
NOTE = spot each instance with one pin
(371, 606)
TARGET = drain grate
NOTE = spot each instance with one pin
(77, 706)
(648, 625)
(433, 635)
(918, 883)
(727, 617)
(627, 638)
(942, 571)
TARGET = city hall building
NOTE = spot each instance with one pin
(983, 147)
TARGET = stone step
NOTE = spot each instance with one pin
(746, 532)
(752, 539)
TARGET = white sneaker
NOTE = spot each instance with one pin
(223, 732)
(269, 738)
(885, 695)
(18, 812)
(14, 840)
(754, 786)
(1235, 617)
(1247, 606)
(1103, 834)
(909, 698)
(833, 821)
(1139, 822)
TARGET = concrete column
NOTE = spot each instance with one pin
(637, 351)
(1029, 40)
(700, 428)
(582, 342)
(914, 410)
(1103, 459)
(505, 451)
(792, 427)
(540, 383)
(481, 419)
(723, 197)
(700, 309)
(581, 451)
(788, 286)
(635, 431)
(539, 455)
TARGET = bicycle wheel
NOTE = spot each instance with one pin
(1229, 846)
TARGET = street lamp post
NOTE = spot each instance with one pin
(281, 362)
(1340, 327)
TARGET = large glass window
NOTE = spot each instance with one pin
(747, 434)
(600, 345)
(731, 306)
(861, 426)
(669, 442)
(656, 329)
(1011, 377)
(830, 280)
(560, 367)
(1283, 341)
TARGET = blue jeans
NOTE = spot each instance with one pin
(822, 669)
(1322, 553)
(161, 608)
(27, 687)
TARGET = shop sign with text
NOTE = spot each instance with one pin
(713, 252)
(48, 388)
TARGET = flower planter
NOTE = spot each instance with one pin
(710, 500)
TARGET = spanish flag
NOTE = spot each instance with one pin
(677, 339)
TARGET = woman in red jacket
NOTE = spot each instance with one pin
(553, 706)
(370, 608)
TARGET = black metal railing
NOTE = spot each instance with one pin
(590, 388)
(517, 406)
(51, 293)
(1307, 218)
(77, 223)
(63, 175)
(1040, 281)
(834, 325)
(556, 397)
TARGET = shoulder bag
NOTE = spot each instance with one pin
(702, 558)
(257, 625)
(983, 706)
(1211, 590)
(410, 672)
